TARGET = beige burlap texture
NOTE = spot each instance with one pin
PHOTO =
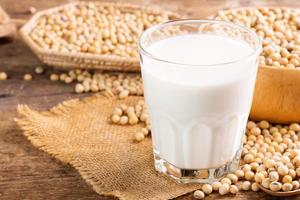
(79, 132)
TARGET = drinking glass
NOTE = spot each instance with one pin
(198, 112)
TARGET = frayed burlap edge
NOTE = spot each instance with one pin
(27, 124)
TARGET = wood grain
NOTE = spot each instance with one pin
(27, 173)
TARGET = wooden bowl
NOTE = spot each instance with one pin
(277, 95)
(279, 194)
(277, 92)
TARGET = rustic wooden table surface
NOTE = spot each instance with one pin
(27, 173)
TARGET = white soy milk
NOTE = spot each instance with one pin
(198, 113)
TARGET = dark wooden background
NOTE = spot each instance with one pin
(27, 173)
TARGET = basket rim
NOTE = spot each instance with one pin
(28, 27)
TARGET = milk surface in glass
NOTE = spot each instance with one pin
(198, 108)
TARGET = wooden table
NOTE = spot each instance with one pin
(27, 173)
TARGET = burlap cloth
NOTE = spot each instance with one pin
(79, 132)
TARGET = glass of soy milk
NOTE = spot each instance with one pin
(199, 78)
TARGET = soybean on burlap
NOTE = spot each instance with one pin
(79, 132)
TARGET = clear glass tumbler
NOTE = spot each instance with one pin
(199, 78)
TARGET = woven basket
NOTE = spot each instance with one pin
(86, 60)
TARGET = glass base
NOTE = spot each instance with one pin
(195, 175)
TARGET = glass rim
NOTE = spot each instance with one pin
(142, 49)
